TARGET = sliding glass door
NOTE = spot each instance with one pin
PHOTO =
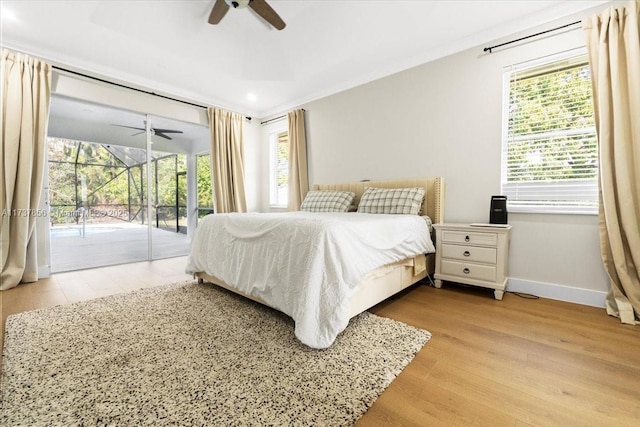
(97, 199)
(169, 188)
(118, 185)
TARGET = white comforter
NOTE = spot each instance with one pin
(305, 264)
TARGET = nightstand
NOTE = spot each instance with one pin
(477, 256)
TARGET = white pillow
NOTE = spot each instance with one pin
(327, 201)
(391, 200)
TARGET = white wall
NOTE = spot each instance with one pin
(106, 94)
(444, 118)
(253, 168)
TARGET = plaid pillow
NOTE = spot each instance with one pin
(391, 200)
(327, 201)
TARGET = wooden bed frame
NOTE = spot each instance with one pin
(390, 279)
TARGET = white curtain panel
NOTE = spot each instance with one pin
(26, 94)
(298, 176)
(227, 160)
(613, 42)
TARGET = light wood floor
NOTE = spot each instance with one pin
(515, 362)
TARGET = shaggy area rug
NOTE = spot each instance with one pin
(192, 354)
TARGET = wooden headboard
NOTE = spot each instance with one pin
(433, 204)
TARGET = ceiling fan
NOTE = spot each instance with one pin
(260, 7)
(159, 132)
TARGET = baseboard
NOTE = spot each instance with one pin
(44, 271)
(558, 292)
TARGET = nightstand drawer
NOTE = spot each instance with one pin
(470, 253)
(467, 270)
(490, 239)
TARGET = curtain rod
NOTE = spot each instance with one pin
(126, 87)
(490, 48)
(284, 116)
(274, 119)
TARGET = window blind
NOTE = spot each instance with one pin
(550, 151)
(279, 169)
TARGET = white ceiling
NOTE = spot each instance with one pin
(168, 47)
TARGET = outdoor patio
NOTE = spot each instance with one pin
(110, 244)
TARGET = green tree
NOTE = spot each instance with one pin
(204, 182)
(110, 183)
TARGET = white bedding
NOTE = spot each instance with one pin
(304, 264)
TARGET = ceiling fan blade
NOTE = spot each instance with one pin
(128, 127)
(267, 13)
(162, 135)
(220, 9)
(141, 131)
(156, 130)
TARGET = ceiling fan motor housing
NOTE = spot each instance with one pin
(260, 7)
(237, 4)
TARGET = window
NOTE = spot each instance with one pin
(203, 176)
(550, 154)
(279, 169)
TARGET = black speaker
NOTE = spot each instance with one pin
(498, 212)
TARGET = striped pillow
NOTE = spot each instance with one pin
(327, 201)
(392, 200)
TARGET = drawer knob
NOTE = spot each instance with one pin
(466, 253)
(466, 238)
(466, 271)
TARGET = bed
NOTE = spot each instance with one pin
(335, 294)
